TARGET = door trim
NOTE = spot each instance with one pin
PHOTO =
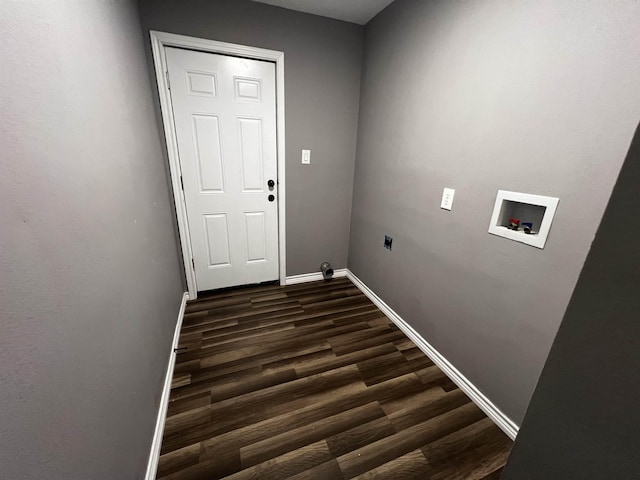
(159, 40)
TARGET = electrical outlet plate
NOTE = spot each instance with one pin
(447, 198)
(306, 157)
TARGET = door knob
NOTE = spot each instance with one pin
(271, 198)
(271, 184)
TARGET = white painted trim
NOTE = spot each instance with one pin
(314, 277)
(154, 456)
(507, 425)
(159, 40)
(160, 64)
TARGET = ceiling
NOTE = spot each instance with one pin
(355, 11)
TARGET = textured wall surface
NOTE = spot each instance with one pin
(90, 282)
(584, 421)
(322, 87)
(535, 97)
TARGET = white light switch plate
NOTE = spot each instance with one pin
(447, 198)
(306, 157)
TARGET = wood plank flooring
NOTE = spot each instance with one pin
(312, 381)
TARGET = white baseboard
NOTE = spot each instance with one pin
(154, 456)
(507, 425)
(314, 277)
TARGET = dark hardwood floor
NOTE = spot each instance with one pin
(312, 381)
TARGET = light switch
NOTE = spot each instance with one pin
(447, 198)
(306, 157)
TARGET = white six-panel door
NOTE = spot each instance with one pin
(225, 119)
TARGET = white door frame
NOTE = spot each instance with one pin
(159, 40)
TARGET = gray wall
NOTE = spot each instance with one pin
(584, 421)
(535, 97)
(322, 81)
(89, 272)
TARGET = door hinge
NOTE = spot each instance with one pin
(168, 81)
(193, 263)
(181, 183)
